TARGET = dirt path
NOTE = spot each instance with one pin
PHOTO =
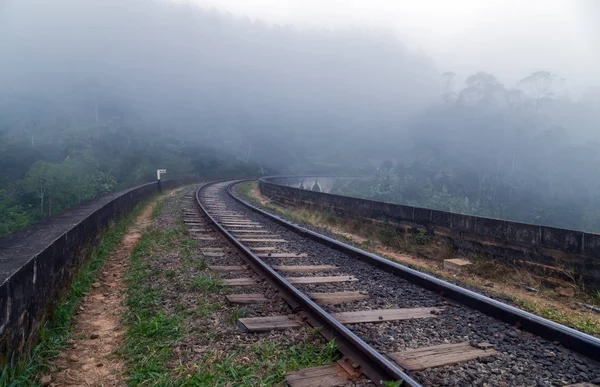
(97, 332)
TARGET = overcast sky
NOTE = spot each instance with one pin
(509, 38)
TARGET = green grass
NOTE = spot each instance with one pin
(206, 282)
(205, 308)
(587, 325)
(54, 334)
(151, 332)
(245, 188)
(238, 313)
(264, 365)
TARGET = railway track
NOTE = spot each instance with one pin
(391, 323)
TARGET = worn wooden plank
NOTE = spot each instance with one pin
(251, 231)
(321, 280)
(235, 226)
(195, 223)
(262, 240)
(199, 230)
(228, 268)
(265, 248)
(303, 268)
(439, 355)
(239, 282)
(269, 236)
(282, 255)
(323, 376)
(262, 324)
(254, 298)
(213, 254)
(338, 297)
(384, 315)
(203, 238)
(211, 249)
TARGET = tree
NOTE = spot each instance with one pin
(483, 88)
(449, 79)
(37, 180)
(539, 85)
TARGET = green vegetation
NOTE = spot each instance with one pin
(206, 282)
(264, 365)
(53, 176)
(154, 328)
(55, 332)
(151, 332)
(584, 324)
(246, 188)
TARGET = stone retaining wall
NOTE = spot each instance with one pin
(38, 263)
(544, 248)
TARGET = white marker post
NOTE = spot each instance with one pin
(158, 173)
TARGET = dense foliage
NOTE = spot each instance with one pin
(529, 154)
(54, 164)
(96, 95)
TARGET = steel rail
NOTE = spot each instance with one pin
(570, 338)
(373, 364)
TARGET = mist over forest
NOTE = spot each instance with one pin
(96, 95)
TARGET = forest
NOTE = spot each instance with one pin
(528, 153)
(95, 97)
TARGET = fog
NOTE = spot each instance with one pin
(505, 37)
(446, 108)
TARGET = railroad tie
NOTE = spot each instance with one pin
(203, 238)
(261, 324)
(282, 255)
(251, 231)
(321, 280)
(265, 324)
(337, 298)
(334, 374)
(303, 268)
(254, 236)
(253, 298)
(264, 248)
(262, 240)
(211, 249)
(213, 254)
(439, 355)
(228, 268)
(239, 282)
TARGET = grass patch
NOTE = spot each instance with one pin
(206, 282)
(54, 334)
(246, 188)
(205, 308)
(151, 332)
(238, 313)
(587, 325)
(264, 364)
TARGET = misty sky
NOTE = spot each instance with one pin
(509, 38)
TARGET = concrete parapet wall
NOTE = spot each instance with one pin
(38, 263)
(546, 248)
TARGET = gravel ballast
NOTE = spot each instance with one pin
(523, 359)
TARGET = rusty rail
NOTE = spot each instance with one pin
(373, 364)
(573, 339)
